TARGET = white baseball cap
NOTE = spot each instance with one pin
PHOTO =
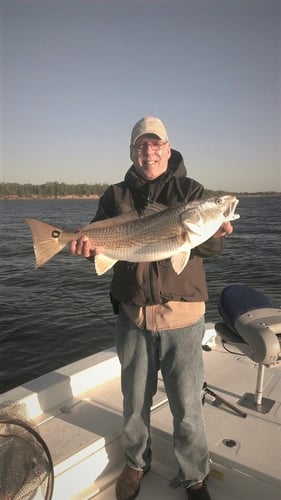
(149, 125)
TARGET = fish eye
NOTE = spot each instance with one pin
(55, 233)
(219, 201)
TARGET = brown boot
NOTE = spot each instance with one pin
(198, 492)
(128, 483)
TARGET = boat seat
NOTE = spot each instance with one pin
(251, 322)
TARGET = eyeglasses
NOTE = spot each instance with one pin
(155, 146)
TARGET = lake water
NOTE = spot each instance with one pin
(61, 312)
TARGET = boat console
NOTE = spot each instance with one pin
(251, 323)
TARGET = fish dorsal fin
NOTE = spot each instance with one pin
(103, 263)
(179, 261)
(150, 209)
(112, 221)
(153, 208)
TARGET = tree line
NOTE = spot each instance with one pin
(61, 190)
(50, 190)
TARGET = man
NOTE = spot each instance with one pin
(160, 323)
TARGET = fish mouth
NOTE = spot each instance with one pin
(229, 212)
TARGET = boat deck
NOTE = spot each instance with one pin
(78, 412)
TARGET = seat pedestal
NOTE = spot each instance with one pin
(251, 323)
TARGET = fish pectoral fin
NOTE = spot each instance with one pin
(192, 228)
(179, 261)
(103, 263)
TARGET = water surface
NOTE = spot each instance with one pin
(61, 312)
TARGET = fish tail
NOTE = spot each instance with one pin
(46, 240)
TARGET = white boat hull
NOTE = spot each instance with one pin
(78, 412)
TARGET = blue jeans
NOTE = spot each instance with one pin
(178, 354)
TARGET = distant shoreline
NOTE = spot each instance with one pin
(97, 197)
(34, 197)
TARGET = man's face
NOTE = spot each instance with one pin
(150, 156)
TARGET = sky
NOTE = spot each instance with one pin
(76, 75)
